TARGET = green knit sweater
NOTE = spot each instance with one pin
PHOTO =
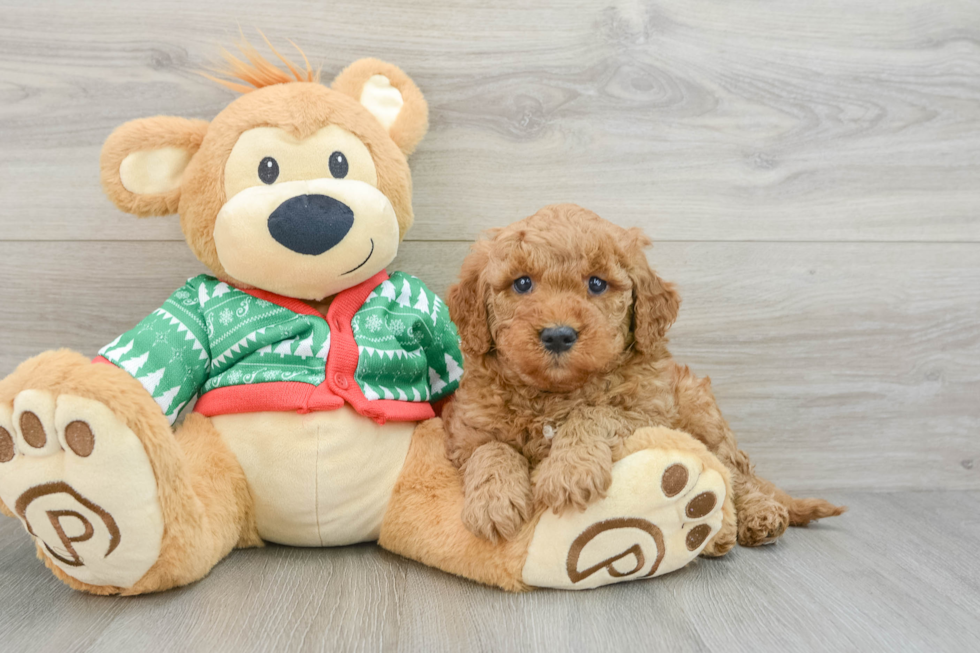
(396, 350)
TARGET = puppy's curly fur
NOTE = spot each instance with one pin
(617, 377)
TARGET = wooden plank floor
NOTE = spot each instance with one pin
(897, 573)
(809, 171)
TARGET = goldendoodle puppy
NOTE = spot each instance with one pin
(563, 325)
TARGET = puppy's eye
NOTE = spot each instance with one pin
(597, 286)
(268, 170)
(338, 165)
(523, 285)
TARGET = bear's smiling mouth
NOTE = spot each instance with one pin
(370, 254)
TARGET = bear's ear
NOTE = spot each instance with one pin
(391, 97)
(143, 163)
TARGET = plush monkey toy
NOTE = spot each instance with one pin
(313, 369)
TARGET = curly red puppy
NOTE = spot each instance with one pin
(563, 325)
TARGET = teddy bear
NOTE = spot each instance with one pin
(312, 371)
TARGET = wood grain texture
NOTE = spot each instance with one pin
(897, 573)
(838, 365)
(749, 120)
(809, 170)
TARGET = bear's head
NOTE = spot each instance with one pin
(295, 188)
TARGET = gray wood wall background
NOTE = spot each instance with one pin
(810, 172)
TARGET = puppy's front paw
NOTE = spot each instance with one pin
(561, 483)
(497, 514)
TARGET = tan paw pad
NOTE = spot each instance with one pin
(33, 420)
(674, 480)
(660, 511)
(701, 505)
(79, 438)
(696, 536)
(7, 450)
(82, 485)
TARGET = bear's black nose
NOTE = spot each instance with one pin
(310, 224)
(558, 339)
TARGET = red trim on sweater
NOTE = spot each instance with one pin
(342, 360)
(102, 359)
(356, 293)
(261, 397)
(288, 396)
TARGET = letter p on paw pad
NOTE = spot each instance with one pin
(82, 485)
(661, 510)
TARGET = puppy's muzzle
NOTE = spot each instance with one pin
(558, 339)
(310, 224)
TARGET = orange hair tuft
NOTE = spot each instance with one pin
(259, 71)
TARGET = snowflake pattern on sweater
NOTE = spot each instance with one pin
(210, 335)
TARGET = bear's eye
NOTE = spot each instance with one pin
(338, 165)
(597, 286)
(523, 285)
(268, 170)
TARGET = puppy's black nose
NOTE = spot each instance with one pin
(310, 224)
(558, 339)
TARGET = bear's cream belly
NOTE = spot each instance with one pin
(320, 479)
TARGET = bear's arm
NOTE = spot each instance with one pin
(443, 355)
(440, 340)
(168, 351)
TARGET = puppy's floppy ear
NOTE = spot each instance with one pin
(467, 302)
(655, 301)
(391, 97)
(143, 163)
